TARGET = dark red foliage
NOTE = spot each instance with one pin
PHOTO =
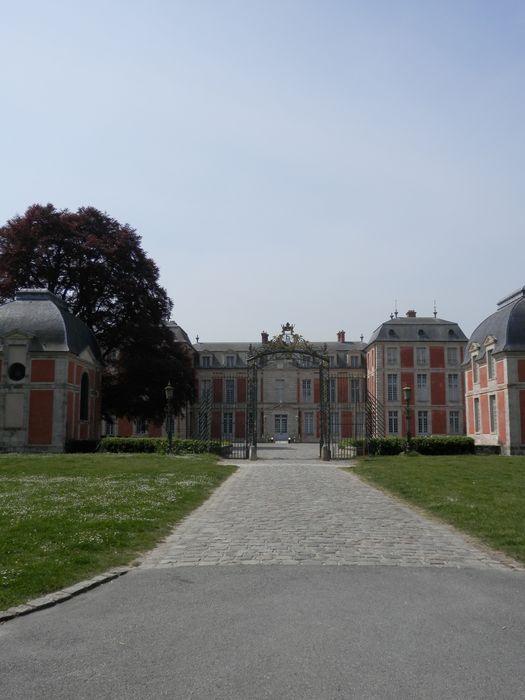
(98, 266)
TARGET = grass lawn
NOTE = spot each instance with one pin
(484, 496)
(64, 518)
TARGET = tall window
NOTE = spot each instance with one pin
(422, 422)
(332, 390)
(393, 422)
(392, 357)
(355, 394)
(308, 423)
(453, 387)
(334, 423)
(205, 389)
(392, 387)
(422, 387)
(229, 390)
(477, 424)
(331, 360)
(230, 360)
(227, 423)
(421, 357)
(493, 413)
(141, 426)
(279, 390)
(84, 397)
(475, 373)
(491, 364)
(453, 422)
(307, 390)
(452, 357)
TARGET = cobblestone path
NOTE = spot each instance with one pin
(290, 512)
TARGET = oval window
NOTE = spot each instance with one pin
(16, 372)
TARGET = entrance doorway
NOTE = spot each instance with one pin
(281, 426)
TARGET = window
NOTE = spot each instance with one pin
(422, 422)
(16, 372)
(309, 423)
(392, 357)
(392, 387)
(332, 397)
(493, 414)
(110, 426)
(141, 426)
(84, 397)
(475, 373)
(359, 428)
(491, 366)
(354, 391)
(331, 359)
(355, 361)
(205, 389)
(453, 422)
(393, 422)
(229, 390)
(279, 390)
(227, 424)
(452, 357)
(307, 390)
(476, 416)
(421, 387)
(230, 360)
(453, 387)
(334, 423)
(205, 361)
(421, 357)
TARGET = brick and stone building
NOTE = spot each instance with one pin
(425, 354)
(495, 377)
(49, 375)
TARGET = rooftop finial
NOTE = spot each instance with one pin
(197, 338)
(395, 308)
(435, 309)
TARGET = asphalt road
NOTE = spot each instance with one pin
(242, 632)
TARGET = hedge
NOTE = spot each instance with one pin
(425, 445)
(159, 445)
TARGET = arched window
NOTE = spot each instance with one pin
(84, 397)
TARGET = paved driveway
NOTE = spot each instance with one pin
(285, 511)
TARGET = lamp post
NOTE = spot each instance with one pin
(168, 393)
(407, 391)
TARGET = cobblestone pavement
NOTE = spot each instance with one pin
(275, 511)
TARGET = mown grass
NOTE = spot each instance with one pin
(64, 518)
(483, 496)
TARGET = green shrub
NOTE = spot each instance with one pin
(425, 445)
(160, 445)
(78, 446)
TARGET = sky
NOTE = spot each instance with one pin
(283, 161)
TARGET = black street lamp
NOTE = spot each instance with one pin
(407, 391)
(168, 393)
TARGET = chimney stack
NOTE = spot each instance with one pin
(341, 337)
(411, 313)
(264, 337)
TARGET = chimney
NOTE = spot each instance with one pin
(411, 313)
(341, 337)
(264, 337)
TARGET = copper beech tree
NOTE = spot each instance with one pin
(98, 266)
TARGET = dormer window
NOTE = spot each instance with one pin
(230, 360)
(491, 365)
(475, 371)
(205, 361)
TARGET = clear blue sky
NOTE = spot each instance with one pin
(283, 160)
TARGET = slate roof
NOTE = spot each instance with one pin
(506, 325)
(43, 316)
(234, 347)
(418, 329)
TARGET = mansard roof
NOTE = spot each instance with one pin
(45, 319)
(418, 329)
(505, 327)
(230, 347)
